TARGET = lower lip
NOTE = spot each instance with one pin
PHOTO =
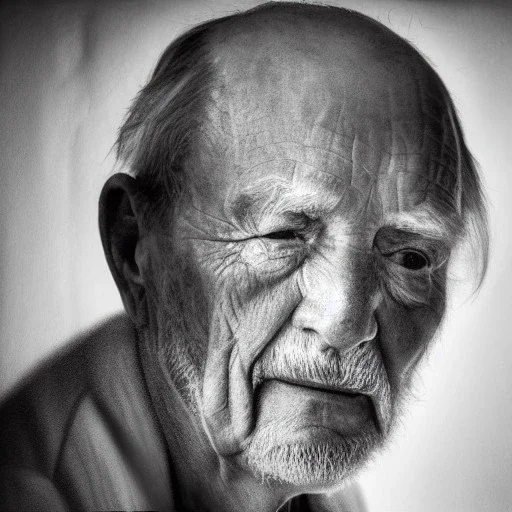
(303, 407)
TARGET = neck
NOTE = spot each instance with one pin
(202, 480)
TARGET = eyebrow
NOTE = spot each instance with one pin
(427, 222)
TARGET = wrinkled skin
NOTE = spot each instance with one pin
(318, 217)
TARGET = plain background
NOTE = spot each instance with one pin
(68, 71)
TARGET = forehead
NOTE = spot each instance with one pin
(325, 115)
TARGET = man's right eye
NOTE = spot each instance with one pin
(286, 234)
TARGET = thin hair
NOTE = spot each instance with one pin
(159, 131)
(473, 205)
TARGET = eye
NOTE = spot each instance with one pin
(411, 260)
(286, 234)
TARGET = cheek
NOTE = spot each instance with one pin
(405, 334)
(239, 272)
(249, 296)
(248, 309)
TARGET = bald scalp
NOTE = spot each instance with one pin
(287, 61)
(297, 34)
(304, 47)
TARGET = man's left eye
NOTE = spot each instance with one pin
(286, 234)
(411, 260)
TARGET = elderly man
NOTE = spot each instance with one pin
(298, 180)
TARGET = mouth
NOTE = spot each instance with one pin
(352, 402)
(321, 387)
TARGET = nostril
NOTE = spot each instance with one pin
(337, 350)
(330, 351)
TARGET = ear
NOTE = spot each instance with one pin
(120, 229)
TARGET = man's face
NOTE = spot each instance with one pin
(308, 261)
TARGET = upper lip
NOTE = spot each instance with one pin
(377, 408)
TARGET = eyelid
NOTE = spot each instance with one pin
(392, 240)
(406, 249)
(297, 222)
(278, 234)
(435, 252)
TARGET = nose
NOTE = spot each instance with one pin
(340, 297)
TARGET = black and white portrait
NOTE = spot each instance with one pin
(255, 256)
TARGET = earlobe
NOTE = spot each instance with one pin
(120, 230)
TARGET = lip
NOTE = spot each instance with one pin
(321, 387)
(345, 392)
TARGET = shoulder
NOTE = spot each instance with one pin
(34, 418)
(83, 424)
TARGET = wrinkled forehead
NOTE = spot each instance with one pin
(337, 110)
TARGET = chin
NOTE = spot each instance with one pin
(314, 459)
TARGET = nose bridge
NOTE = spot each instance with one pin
(340, 295)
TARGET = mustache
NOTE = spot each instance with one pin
(357, 370)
